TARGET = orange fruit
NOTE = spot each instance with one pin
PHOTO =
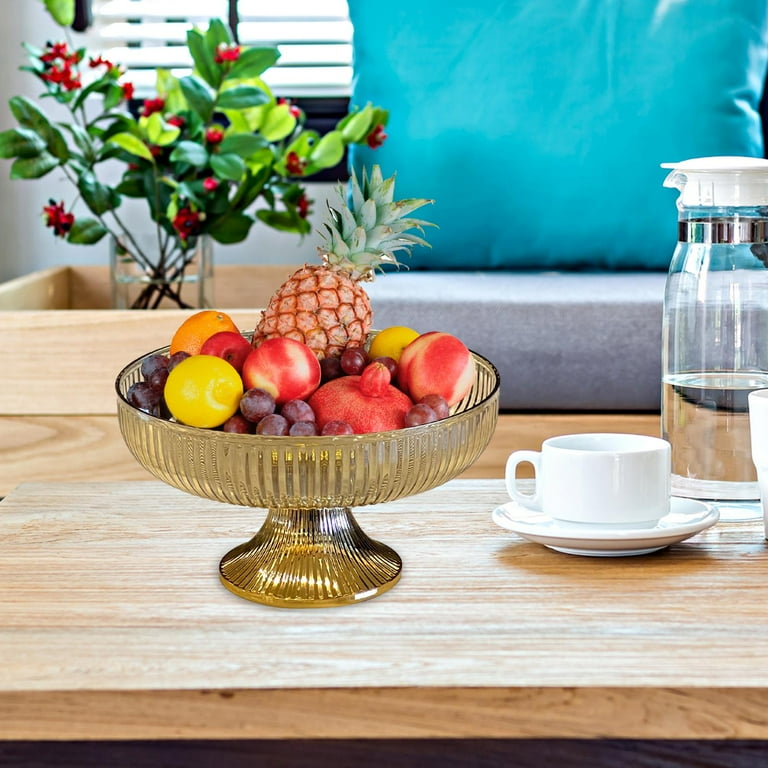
(196, 329)
(390, 342)
(203, 391)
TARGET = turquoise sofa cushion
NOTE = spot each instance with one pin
(538, 126)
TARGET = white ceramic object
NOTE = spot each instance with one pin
(601, 478)
(686, 518)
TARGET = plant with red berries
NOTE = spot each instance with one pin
(211, 153)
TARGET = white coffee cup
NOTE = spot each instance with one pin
(758, 435)
(598, 478)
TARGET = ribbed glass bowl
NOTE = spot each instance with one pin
(310, 550)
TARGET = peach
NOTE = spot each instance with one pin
(230, 346)
(436, 363)
(286, 368)
(343, 399)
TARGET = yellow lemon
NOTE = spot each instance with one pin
(203, 391)
(390, 342)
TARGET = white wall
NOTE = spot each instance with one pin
(26, 245)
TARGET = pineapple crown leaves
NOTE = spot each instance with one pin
(362, 237)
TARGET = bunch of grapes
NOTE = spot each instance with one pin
(147, 394)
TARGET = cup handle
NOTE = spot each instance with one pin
(530, 500)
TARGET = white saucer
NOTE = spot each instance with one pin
(686, 518)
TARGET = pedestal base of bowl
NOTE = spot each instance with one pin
(310, 558)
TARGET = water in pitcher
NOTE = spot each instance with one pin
(707, 422)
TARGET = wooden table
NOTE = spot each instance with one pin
(114, 626)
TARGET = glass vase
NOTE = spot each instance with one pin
(157, 273)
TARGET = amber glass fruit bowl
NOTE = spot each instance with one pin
(310, 550)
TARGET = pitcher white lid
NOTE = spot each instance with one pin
(720, 181)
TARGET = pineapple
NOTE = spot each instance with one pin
(325, 305)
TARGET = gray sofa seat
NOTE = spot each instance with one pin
(562, 341)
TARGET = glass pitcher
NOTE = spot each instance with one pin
(715, 325)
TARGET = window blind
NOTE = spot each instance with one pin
(314, 38)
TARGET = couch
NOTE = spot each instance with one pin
(561, 341)
(538, 128)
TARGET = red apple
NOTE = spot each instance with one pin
(286, 368)
(436, 363)
(231, 346)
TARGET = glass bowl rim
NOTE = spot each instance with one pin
(309, 439)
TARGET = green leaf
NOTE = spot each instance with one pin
(31, 116)
(133, 145)
(131, 186)
(21, 142)
(86, 232)
(190, 152)
(304, 144)
(243, 145)
(101, 85)
(328, 151)
(33, 167)
(158, 131)
(97, 196)
(252, 62)
(356, 126)
(81, 139)
(198, 96)
(231, 228)
(250, 188)
(228, 167)
(204, 64)
(216, 35)
(167, 83)
(113, 95)
(278, 123)
(62, 11)
(284, 221)
(241, 97)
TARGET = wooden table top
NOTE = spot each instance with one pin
(113, 624)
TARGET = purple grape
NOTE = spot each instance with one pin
(337, 428)
(152, 364)
(330, 368)
(438, 404)
(419, 414)
(157, 379)
(297, 410)
(256, 403)
(238, 424)
(303, 429)
(176, 358)
(272, 424)
(141, 395)
(353, 360)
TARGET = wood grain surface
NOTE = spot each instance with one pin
(113, 625)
